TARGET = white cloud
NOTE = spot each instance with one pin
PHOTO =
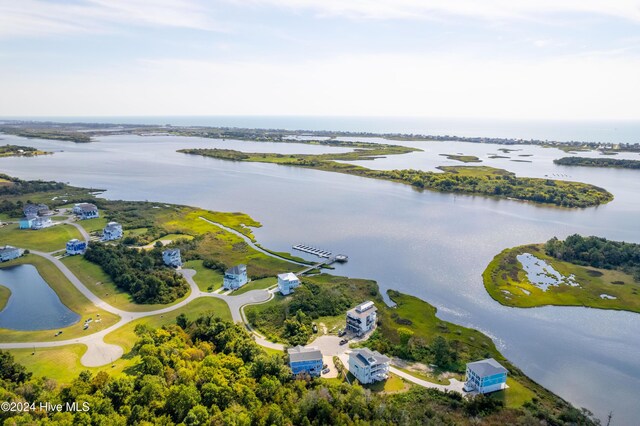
(41, 17)
(486, 9)
(580, 87)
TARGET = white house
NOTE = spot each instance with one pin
(171, 257)
(305, 360)
(86, 211)
(362, 318)
(235, 277)
(9, 253)
(113, 231)
(76, 246)
(368, 366)
(41, 222)
(287, 282)
(485, 376)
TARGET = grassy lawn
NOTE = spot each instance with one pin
(188, 218)
(507, 282)
(4, 296)
(462, 158)
(206, 278)
(515, 395)
(100, 284)
(48, 239)
(393, 384)
(126, 337)
(69, 296)
(257, 285)
(93, 225)
(430, 377)
(63, 363)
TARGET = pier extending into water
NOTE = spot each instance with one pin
(312, 250)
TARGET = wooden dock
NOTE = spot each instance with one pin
(312, 250)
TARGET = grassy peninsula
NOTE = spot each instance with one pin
(598, 162)
(20, 151)
(591, 272)
(471, 180)
(47, 133)
(5, 293)
(462, 158)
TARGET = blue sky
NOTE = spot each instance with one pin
(560, 59)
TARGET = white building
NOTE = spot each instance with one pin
(41, 222)
(362, 318)
(171, 257)
(113, 231)
(235, 277)
(287, 282)
(485, 376)
(86, 211)
(76, 246)
(9, 253)
(368, 366)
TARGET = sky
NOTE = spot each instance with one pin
(508, 59)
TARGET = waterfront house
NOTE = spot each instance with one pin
(368, 366)
(86, 211)
(171, 257)
(41, 222)
(235, 277)
(9, 253)
(76, 246)
(113, 231)
(485, 376)
(362, 318)
(287, 282)
(305, 360)
(35, 209)
(27, 222)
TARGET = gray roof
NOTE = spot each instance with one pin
(8, 249)
(87, 207)
(171, 252)
(486, 367)
(358, 312)
(300, 353)
(368, 357)
(236, 270)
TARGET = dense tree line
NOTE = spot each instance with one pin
(597, 252)
(21, 187)
(140, 273)
(598, 162)
(211, 372)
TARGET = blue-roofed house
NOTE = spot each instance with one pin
(305, 360)
(76, 246)
(287, 282)
(9, 253)
(171, 257)
(235, 277)
(485, 376)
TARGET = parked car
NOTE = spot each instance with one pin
(325, 371)
(343, 341)
(341, 332)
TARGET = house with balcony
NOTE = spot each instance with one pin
(76, 246)
(235, 277)
(171, 257)
(9, 253)
(305, 360)
(41, 222)
(368, 366)
(362, 318)
(287, 282)
(485, 376)
(113, 231)
(86, 211)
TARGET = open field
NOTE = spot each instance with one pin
(515, 395)
(69, 296)
(507, 283)
(4, 296)
(206, 278)
(47, 240)
(100, 284)
(391, 385)
(93, 225)
(126, 337)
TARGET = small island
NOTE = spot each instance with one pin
(20, 151)
(473, 180)
(462, 158)
(592, 272)
(598, 162)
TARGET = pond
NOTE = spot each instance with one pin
(543, 275)
(33, 305)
